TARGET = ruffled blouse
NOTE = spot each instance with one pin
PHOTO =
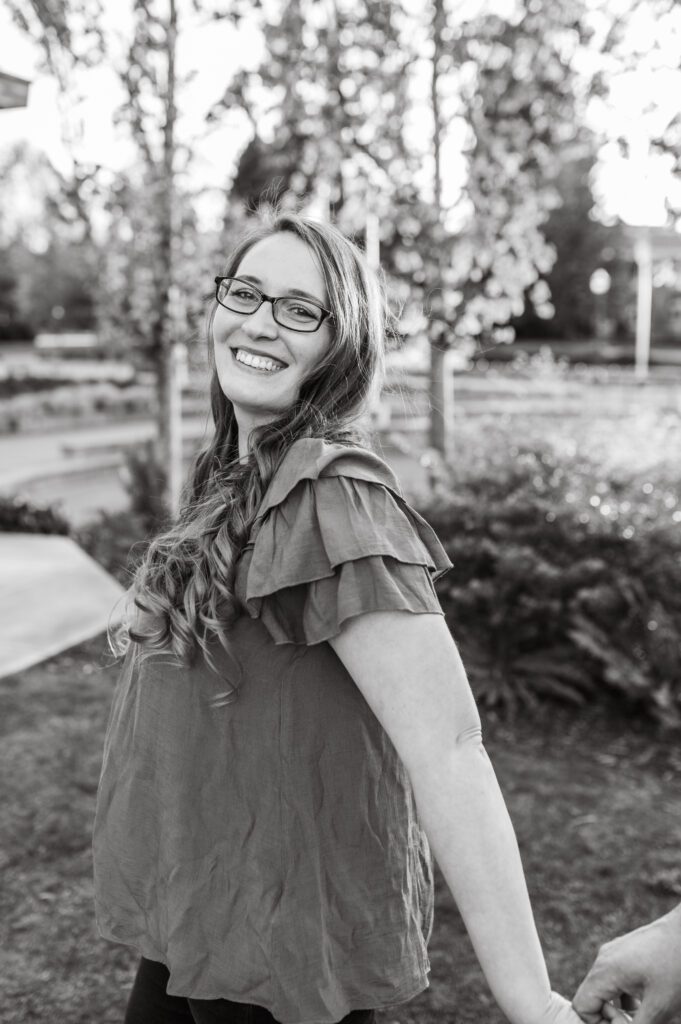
(265, 844)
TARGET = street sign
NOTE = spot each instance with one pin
(13, 91)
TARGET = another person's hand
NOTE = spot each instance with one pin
(560, 1011)
(644, 964)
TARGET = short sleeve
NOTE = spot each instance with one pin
(337, 539)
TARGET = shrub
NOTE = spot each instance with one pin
(117, 541)
(19, 515)
(566, 580)
(143, 479)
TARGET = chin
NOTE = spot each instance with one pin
(256, 411)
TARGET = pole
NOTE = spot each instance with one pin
(177, 374)
(644, 305)
(378, 406)
(440, 382)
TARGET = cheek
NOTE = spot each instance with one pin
(310, 355)
(224, 325)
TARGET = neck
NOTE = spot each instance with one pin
(245, 425)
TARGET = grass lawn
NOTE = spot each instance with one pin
(594, 801)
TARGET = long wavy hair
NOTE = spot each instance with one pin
(182, 598)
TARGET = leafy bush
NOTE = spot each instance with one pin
(19, 515)
(143, 479)
(566, 580)
(117, 541)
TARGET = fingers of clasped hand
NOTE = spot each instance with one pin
(562, 1012)
(645, 963)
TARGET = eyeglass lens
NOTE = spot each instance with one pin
(289, 311)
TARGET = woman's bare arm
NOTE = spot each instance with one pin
(409, 671)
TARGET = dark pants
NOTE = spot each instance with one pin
(149, 1003)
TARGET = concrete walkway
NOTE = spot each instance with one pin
(25, 458)
(52, 596)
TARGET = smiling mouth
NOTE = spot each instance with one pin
(261, 364)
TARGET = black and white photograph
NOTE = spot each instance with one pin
(350, 696)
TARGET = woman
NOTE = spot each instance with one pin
(291, 697)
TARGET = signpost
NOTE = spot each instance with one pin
(13, 91)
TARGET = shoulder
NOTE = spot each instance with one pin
(313, 458)
(332, 503)
(334, 538)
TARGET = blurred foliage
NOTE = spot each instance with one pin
(508, 85)
(563, 305)
(128, 297)
(524, 102)
(332, 93)
(355, 106)
(50, 275)
(20, 515)
(143, 480)
(70, 36)
(117, 540)
(567, 574)
(333, 106)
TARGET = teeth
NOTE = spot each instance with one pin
(259, 362)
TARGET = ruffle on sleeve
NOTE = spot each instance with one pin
(337, 539)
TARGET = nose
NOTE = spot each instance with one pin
(261, 322)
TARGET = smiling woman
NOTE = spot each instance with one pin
(293, 730)
(258, 336)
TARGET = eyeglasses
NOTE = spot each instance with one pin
(289, 311)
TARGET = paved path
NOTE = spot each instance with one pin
(52, 596)
(26, 457)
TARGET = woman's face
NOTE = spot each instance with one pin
(277, 265)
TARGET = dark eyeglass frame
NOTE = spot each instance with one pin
(324, 314)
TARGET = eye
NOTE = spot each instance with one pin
(301, 312)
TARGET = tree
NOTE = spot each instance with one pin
(520, 98)
(71, 37)
(510, 81)
(563, 306)
(327, 104)
(150, 78)
(50, 264)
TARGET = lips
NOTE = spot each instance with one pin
(261, 355)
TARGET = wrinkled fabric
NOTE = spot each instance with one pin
(267, 850)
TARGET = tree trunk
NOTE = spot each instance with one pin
(439, 384)
(169, 431)
(438, 22)
(439, 388)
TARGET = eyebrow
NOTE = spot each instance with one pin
(290, 291)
